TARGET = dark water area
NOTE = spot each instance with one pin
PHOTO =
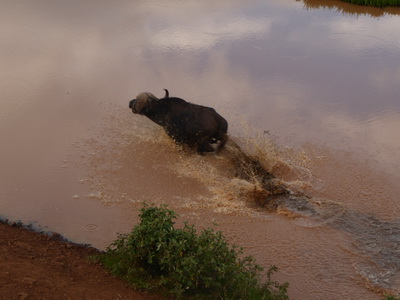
(310, 90)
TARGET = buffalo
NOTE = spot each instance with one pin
(197, 126)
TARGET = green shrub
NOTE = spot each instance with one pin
(156, 257)
(377, 3)
(392, 298)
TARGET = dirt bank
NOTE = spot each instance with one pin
(36, 266)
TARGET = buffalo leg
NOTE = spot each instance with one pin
(205, 147)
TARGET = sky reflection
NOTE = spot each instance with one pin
(278, 65)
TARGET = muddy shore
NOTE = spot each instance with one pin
(35, 265)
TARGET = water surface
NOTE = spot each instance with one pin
(309, 88)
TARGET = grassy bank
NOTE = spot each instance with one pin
(181, 263)
(376, 3)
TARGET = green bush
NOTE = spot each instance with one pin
(377, 3)
(157, 257)
(392, 298)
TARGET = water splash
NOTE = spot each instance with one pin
(135, 161)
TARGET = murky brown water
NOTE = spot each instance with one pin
(309, 88)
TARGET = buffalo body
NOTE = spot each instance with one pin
(195, 125)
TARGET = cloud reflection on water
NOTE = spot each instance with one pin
(264, 60)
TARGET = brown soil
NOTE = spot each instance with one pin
(38, 266)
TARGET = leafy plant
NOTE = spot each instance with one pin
(156, 256)
(392, 298)
(377, 3)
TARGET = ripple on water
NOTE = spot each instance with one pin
(91, 227)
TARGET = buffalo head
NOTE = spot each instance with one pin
(144, 102)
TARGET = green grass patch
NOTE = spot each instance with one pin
(157, 257)
(376, 3)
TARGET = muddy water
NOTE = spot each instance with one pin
(309, 88)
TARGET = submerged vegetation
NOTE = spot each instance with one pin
(376, 3)
(158, 257)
